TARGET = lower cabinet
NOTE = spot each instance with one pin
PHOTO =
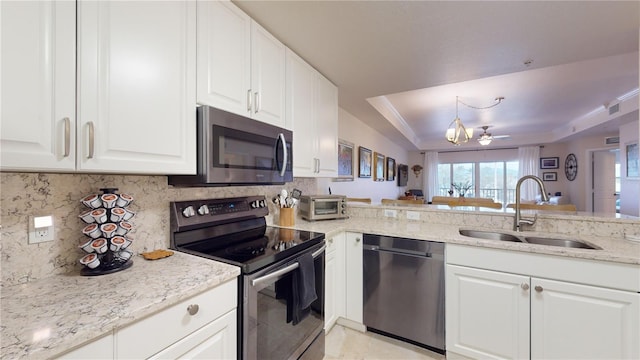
(353, 269)
(520, 314)
(201, 327)
(343, 281)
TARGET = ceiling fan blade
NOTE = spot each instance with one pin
(504, 137)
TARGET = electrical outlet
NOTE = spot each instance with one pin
(390, 213)
(413, 215)
(40, 229)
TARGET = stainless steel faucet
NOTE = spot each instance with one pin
(518, 219)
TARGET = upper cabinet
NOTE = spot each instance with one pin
(136, 87)
(312, 112)
(241, 67)
(38, 85)
(135, 78)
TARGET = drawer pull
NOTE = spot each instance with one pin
(525, 286)
(193, 309)
(538, 288)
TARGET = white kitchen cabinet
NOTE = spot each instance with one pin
(98, 349)
(38, 85)
(136, 87)
(354, 273)
(312, 112)
(334, 280)
(135, 81)
(241, 67)
(203, 326)
(569, 308)
(583, 322)
(487, 313)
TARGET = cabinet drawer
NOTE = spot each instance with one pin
(158, 331)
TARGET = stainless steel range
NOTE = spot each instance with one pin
(277, 265)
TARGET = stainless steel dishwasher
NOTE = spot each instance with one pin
(404, 289)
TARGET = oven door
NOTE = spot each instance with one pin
(266, 333)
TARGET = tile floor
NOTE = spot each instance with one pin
(348, 344)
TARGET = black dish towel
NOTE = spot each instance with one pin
(303, 287)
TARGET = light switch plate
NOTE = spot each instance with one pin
(413, 215)
(390, 213)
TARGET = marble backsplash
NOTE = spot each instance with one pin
(25, 194)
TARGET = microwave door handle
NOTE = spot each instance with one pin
(284, 270)
(284, 151)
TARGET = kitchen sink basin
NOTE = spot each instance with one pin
(559, 242)
(490, 235)
(534, 240)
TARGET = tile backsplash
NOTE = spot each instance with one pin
(27, 194)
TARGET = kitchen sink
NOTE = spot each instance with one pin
(490, 235)
(534, 240)
(559, 242)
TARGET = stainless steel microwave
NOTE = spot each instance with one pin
(236, 150)
(323, 207)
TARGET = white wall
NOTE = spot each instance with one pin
(629, 188)
(353, 130)
(562, 185)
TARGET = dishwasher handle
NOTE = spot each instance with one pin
(397, 251)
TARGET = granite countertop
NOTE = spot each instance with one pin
(44, 318)
(613, 249)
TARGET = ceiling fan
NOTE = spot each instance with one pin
(485, 138)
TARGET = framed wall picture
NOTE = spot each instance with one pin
(391, 169)
(365, 160)
(378, 165)
(633, 162)
(403, 174)
(550, 176)
(549, 163)
(345, 161)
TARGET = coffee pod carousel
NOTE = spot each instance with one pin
(107, 226)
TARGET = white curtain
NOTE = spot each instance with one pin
(430, 175)
(528, 159)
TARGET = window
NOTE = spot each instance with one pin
(495, 180)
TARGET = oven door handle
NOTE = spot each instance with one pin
(284, 270)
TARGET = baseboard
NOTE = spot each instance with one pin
(352, 324)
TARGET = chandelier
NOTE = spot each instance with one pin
(457, 133)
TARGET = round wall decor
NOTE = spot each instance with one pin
(571, 167)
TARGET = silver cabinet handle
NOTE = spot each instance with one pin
(357, 239)
(538, 288)
(249, 104)
(193, 309)
(330, 240)
(257, 101)
(92, 139)
(67, 136)
(525, 286)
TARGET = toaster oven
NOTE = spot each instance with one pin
(323, 207)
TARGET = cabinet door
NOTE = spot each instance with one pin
(301, 79)
(267, 76)
(583, 322)
(224, 57)
(38, 85)
(216, 340)
(136, 88)
(330, 275)
(487, 313)
(326, 125)
(354, 273)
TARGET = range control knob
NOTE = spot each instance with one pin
(188, 211)
(254, 204)
(262, 203)
(203, 210)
